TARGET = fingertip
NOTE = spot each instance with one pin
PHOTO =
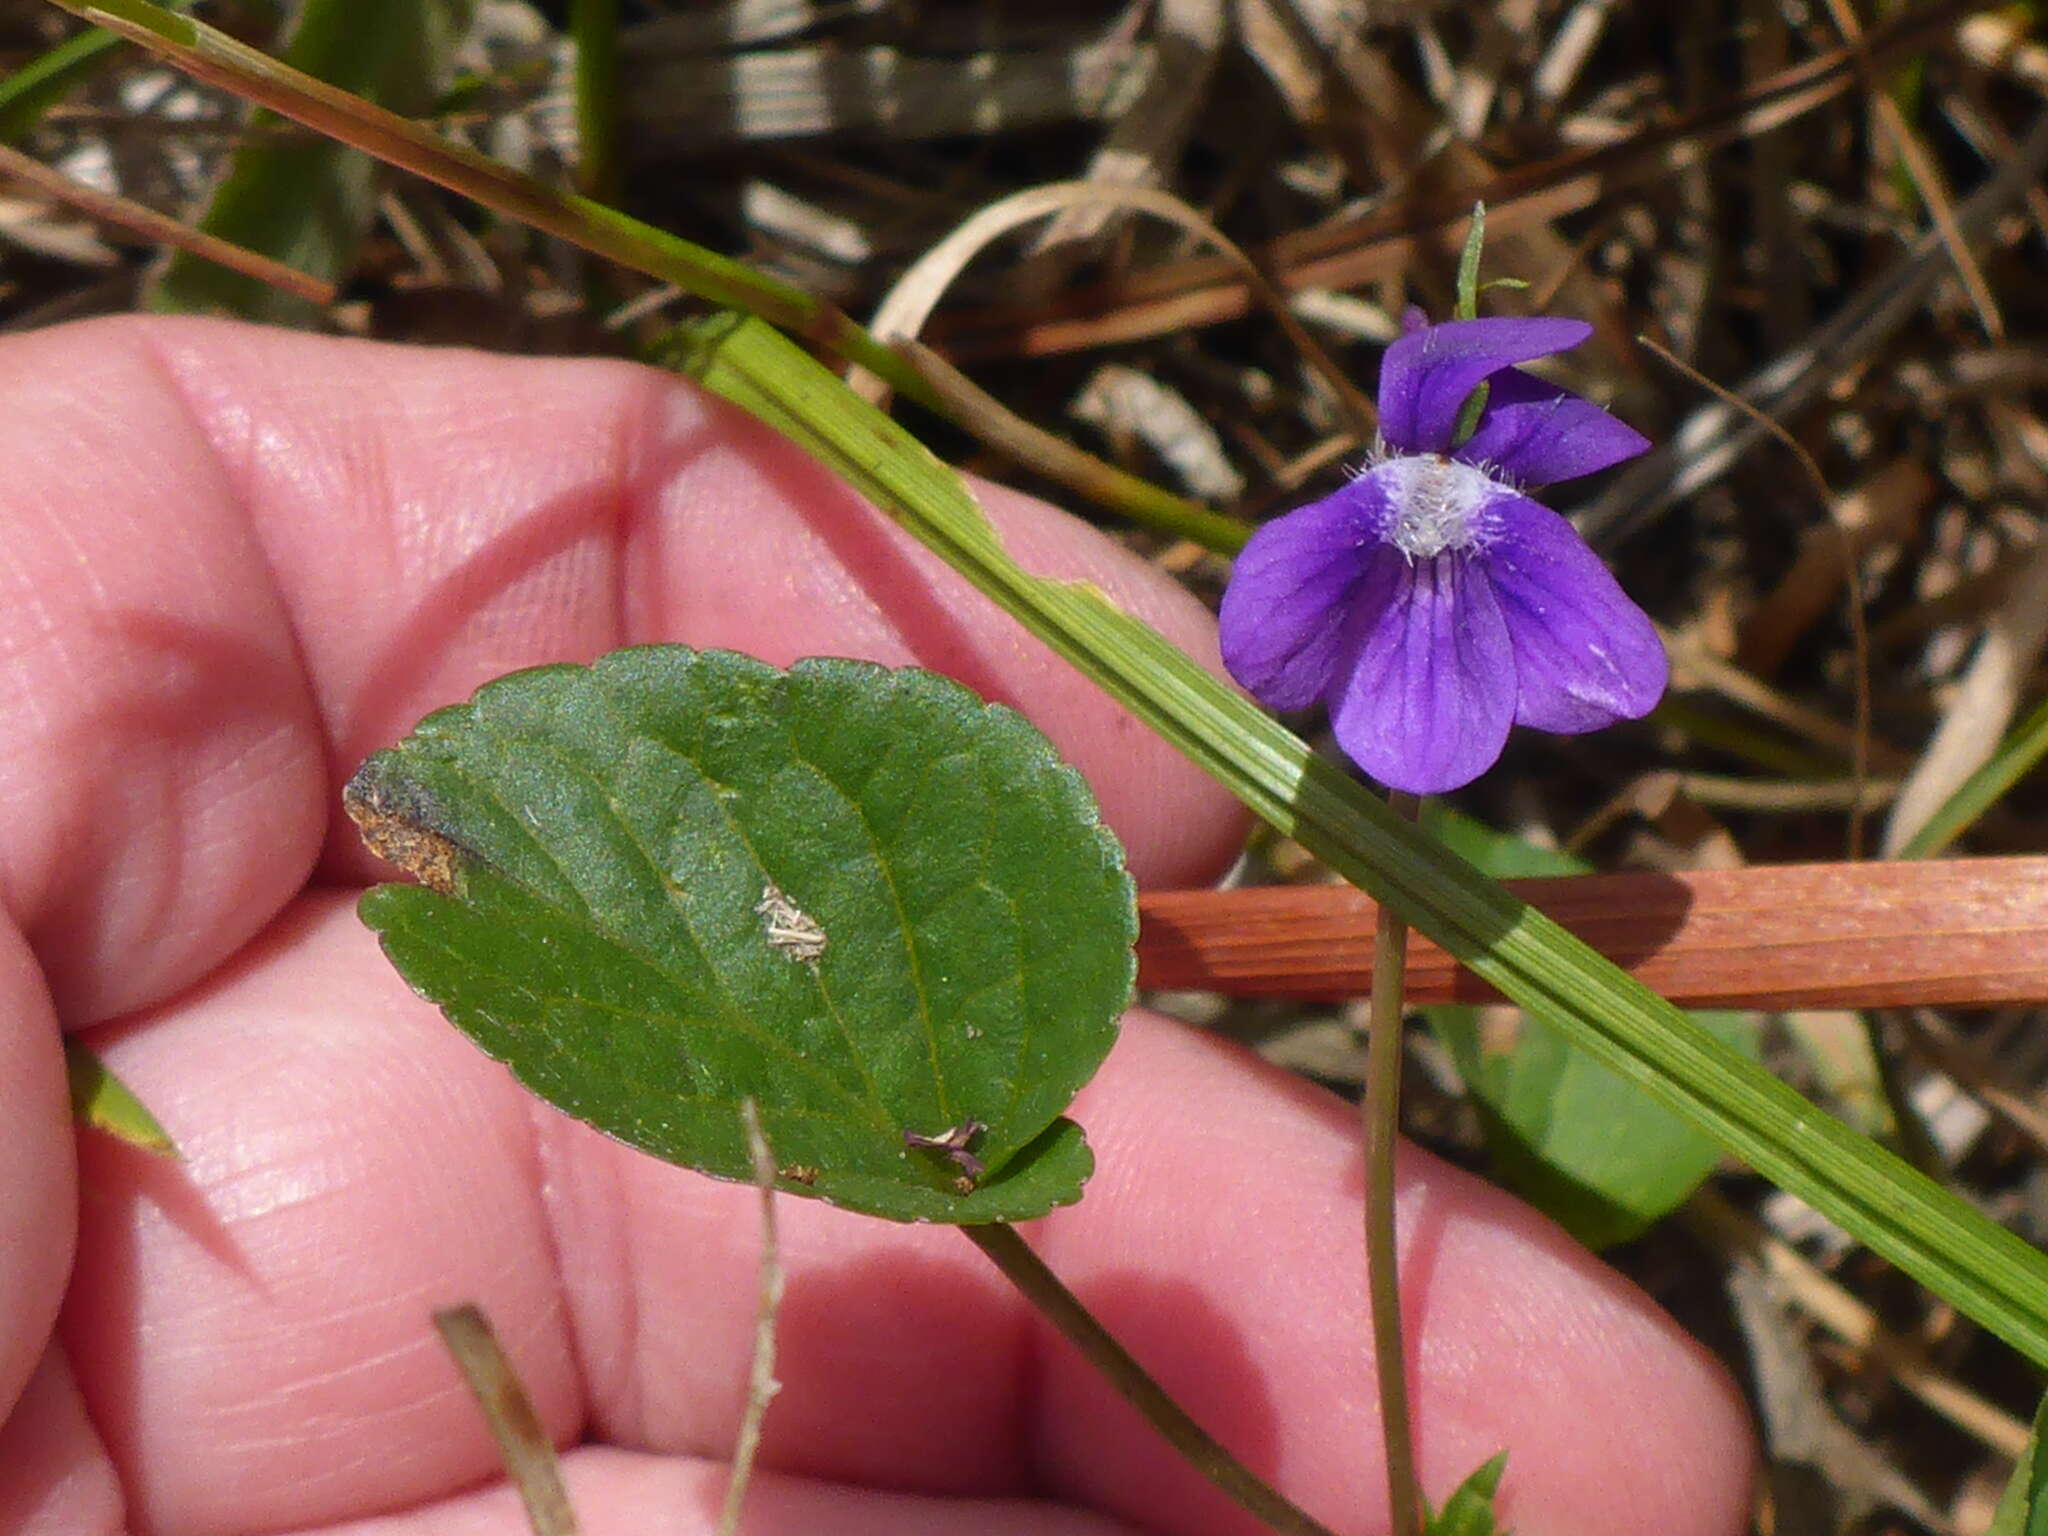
(38, 1191)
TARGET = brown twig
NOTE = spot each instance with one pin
(1940, 932)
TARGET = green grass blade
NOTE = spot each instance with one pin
(1987, 1271)
(2016, 757)
(309, 202)
(46, 80)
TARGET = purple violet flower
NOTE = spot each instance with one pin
(1430, 602)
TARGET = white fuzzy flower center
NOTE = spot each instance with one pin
(1434, 503)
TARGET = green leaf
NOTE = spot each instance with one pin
(1993, 1275)
(1469, 1509)
(101, 1100)
(305, 201)
(1500, 854)
(675, 879)
(1581, 1143)
(2023, 1509)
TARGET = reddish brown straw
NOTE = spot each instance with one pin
(1959, 932)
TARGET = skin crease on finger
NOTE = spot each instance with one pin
(237, 562)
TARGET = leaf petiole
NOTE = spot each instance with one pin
(1059, 1306)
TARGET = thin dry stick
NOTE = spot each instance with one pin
(1848, 1319)
(1859, 628)
(761, 1383)
(1381, 1113)
(1050, 455)
(1719, 790)
(904, 310)
(1960, 1060)
(523, 1443)
(162, 229)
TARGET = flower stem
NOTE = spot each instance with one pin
(594, 25)
(1045, 1291)
(1381, 1111)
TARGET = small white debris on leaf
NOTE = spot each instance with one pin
(790, 929)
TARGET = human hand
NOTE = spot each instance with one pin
(236, 562)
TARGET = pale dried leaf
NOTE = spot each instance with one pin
(1188, 38)
(1983, 706)
(1120, 401)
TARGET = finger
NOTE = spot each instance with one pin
(624, 1493)
(1223, 1242)
(54, 1474)
(251, 1325)
(281, 551)
(283, 1316)
(38, 1199)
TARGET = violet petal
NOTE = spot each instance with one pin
(1282, 622)
(1426, 376)
(1585, 655)
(1538, 434)
(1429, 686)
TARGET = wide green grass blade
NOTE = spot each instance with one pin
(1987, 1271)
(304, 201)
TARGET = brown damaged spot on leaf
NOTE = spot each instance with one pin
(392, 826)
